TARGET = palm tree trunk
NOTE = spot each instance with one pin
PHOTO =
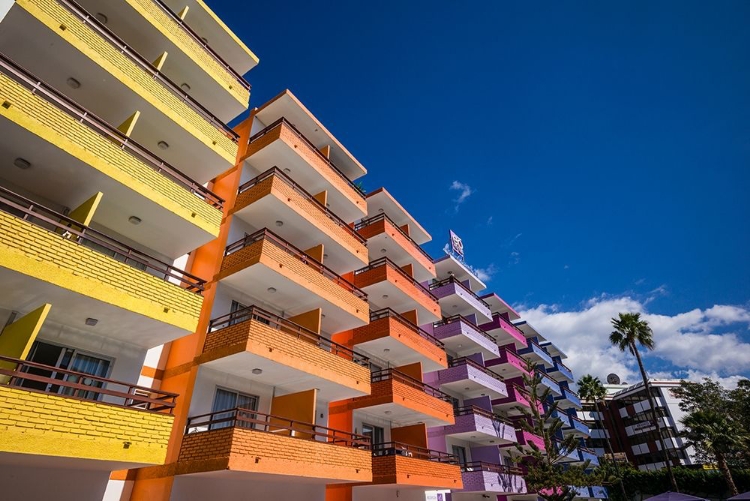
(724, 468)
(609, 446)
(652, 404)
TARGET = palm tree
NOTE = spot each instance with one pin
(717, 434)
(590, 389)
(630, 331)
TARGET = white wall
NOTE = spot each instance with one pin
(384, 493)
(5, 6)
(208, 380)
(61, 484)
(246, 487)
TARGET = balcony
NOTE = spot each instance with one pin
(263, 265)
(577, 427)
(517, 397)
(248, 445)
(388, 286)
(274, 196)
(563, 417)
(290, 357)
(568, 399)
(562, 371)
(509, 364)
(480, 426)
(402, 399)
(490, 479)
(525, 439)
(504, 332)
(457, 299)
(461, 336)
(471, 379)
(536, 353)
(400, 342)
(548, 382)
(599, 492)
(52, 417)
(85, 274)
(589, 455)
(390, 240)
(112, 80)
(407, 465)
(64, 142)
(282, 144)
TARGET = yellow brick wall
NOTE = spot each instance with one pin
(47, 256)
(51, 425)
(285, 348)
(57, 127)
(86, 40)
(169, 28)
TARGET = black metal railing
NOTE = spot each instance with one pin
(72, 230)
(412, 451)
(454, 280)
(395, 375)
(389, 313)
(268, 423)
(384, 261)
(491, 467)
(267, 235)
(287, 327)
(40, 378)
(459, 361)
(101, 127)
(474, 410)
(382, 217)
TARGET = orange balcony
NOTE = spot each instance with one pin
(274, 196)
(403, 464)
(389, 239)
(263, 265)
(282, 144)
(395, 339)
(402, 399)
(289, 356)
(388, 286)
(247, 445)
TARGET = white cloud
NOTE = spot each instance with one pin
(485, 274)
(465, 191)
(489, 220)
(696, 343)
(515, 258)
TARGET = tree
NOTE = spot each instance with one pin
(546, 473)
(590, 389)
(629, 332)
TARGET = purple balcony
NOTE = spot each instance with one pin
(470, 378)
(517, 397)
(504, 332)
(461, 336)
(525, 439)
(509, 364)
(489, 478)
(480, 426)
(457, 299)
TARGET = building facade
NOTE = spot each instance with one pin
(192, 311)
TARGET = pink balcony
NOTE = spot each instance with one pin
(517, 397)
(509, 364)
(504, 332)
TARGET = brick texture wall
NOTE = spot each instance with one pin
(414, 471)
(85, 39)
(52, 425)
(386, 272)
(248, 450)
(180, 37)
(388, 326)
(47, 256)
(285, 348)
(59, 128)
(391, 391)
(493, 482)
(385, 226)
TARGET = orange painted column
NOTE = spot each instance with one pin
(340, 417)
(180, 371)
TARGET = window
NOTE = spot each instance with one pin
(460, 453)
(236, 306)
(376, 434)
(229, 399)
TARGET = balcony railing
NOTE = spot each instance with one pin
(454, 280)
(276, 172)
(474, 410)
(268, 423)
(389, 313)
(74, 231)
(382, 217)
(456, 362)
(536, 348)
(197, 39)
(384, 261)
(145, 65)
(283, 121)
(293, 251)
(461, 318)
(491, 467)
(101, 127)
(509, 325)
(81, 386)
(412, 451)
(393, 374)
(287, 327)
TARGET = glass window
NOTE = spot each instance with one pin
(230, 400)
(460, 453)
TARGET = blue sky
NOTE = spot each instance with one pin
(602, 148)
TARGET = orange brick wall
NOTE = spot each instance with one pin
(386, 272)
(390, 391)
(385, 226)
(413, 471)
(387, 326)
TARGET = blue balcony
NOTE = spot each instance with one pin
(569, 399)
(537, 353)
(588, 455)
(550, 383)
(577, 426)
(562, 371)
(599, 492)
(562, 417)
(570, 457)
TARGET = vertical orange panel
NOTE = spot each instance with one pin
(414, 370)
(411, 435)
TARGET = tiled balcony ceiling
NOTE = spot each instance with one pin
(87, 62)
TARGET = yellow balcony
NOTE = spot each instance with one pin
(263, 265)
(60, 43)
(288, 355)
(65, 144)
(150, 28)
(50, 416)
(46, 257)
(253, 446)
(274, 196)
